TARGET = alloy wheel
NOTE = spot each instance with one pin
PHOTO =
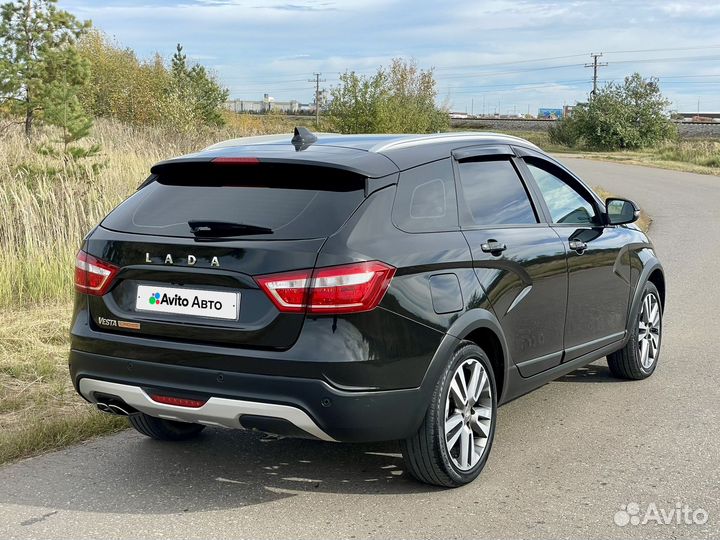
(649, 328)
(468, 414)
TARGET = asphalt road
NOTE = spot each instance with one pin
(565, 458)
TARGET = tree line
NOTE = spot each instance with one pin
(57, 70)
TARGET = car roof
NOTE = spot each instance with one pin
(373, 155)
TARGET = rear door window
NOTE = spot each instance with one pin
(494, 194)
(293, 202)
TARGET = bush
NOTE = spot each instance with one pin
(184, 97)
(564, 132)
(400, 99)
(121, 86)
(619, 117)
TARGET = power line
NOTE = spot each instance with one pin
(666, 78)
(669, 59)
(595, 65)
(317, 82)
(509, 63)
(667, 49)
(522, 85)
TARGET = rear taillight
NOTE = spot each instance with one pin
(92, 275)
(349, 288)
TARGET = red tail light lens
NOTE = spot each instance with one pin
(348, 288)
(287, 291)
(178, 402)
(92, 275)
(236, 161)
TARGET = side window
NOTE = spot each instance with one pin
(494, 193)
(425, 199)
(566, 205)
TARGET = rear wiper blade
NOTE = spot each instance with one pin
(215, 229)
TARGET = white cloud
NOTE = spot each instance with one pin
(277, 44)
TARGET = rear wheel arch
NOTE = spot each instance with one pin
(482, 328)
(488, 341)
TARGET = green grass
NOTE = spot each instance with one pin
(690, 155)
(703, 153)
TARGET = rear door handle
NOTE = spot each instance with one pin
(493, 246)
(578, 245)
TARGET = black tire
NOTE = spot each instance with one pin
(164, 430)
(426, 455)
(627, 362)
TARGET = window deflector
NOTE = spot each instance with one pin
(471, 152)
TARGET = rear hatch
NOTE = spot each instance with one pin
(190, 241)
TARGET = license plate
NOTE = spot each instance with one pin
(193, 302)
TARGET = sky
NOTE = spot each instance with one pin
(506, 56)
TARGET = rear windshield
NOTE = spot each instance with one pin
(295, 202)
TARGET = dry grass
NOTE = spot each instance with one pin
(690, 155)
(46, 207)
(647, 159)
(39, 409)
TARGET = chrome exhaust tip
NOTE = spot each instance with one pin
(112, 408)
(103, 407)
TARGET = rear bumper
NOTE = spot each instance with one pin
(310, 407)
(216, 411)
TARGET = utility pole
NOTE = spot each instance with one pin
(595, 65)
(317, 80)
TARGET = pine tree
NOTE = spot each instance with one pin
(34, 35)
(193, 97)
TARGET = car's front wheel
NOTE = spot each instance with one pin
(453, 442)
(164, 430)
(639, 358)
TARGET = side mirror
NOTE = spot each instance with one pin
(621, 211)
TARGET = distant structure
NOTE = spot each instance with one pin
(550, 114)
(700, 117)
(269, 104)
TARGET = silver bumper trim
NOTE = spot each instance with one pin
(216, 411)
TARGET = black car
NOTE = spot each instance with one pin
(359, 288)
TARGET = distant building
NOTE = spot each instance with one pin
(550, 114)
(268, 104)
(697, 116)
